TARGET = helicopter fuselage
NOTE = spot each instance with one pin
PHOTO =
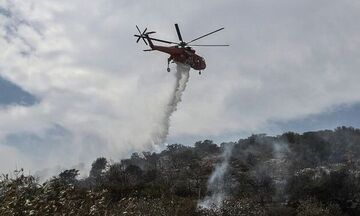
(183, 55)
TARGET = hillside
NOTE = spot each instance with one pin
(315, 173)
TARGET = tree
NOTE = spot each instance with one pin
(98, 167)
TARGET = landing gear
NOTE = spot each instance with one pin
(199, 72)
(168, 69)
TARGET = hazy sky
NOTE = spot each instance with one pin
(292, 65)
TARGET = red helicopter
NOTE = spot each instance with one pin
(181, 52)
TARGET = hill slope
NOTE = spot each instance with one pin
(316, 173)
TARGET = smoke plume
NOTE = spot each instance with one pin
(182, 77)
(216, 182)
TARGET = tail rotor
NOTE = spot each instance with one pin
(143, 35)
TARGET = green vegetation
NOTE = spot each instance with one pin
(316, 173)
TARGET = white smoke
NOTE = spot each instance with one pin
(216, 182)
(182, 77)
(279, 169)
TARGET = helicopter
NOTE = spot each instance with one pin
(180, 52)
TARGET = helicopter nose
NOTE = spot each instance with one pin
(203, 64)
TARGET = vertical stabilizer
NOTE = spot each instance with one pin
(150, 42)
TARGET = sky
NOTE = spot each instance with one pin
(74, 84)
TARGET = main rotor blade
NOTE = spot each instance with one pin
(178, 32)
(216, 45)
(205, 35)
(164, 41)
(155, 39)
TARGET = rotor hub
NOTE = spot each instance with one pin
(182, 44)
